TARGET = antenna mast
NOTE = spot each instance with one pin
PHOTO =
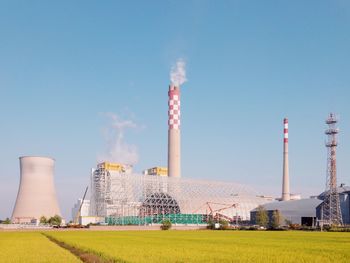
(331, 213)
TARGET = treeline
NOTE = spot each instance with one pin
(52, 221)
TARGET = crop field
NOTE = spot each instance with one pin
(31, 247)
(211, 246)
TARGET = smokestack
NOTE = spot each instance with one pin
(174, 155)
(285, 183)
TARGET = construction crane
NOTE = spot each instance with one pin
(76, 218)
(217, 214)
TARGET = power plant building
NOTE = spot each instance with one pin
(126, 198)
(184, 201)
(110, 192)
(157, 185)
(36, 194)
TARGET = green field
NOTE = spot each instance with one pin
(31, 247)
(213, 246)
(179, 246)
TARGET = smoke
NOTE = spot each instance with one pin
(178, 73)
(117, 149)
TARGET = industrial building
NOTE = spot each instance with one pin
(158, 186)
(157, 171)
(301, 212)
(307, 211)
(126, 198)
(36, 194)
(109, 189)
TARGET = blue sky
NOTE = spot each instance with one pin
(65, 64)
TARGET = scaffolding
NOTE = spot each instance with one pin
(126, 198)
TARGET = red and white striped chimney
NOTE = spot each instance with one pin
(174, 155)
(285, 183)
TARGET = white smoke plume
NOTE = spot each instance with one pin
(178, 73)
(117, 149)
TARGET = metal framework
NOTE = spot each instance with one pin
(142, 199)
(331, 213)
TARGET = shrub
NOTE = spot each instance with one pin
(294, 226)
(166, 224)
(338, 229)
(6, 221)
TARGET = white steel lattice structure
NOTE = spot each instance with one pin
(331, 213)
(136, 195)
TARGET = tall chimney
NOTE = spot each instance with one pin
(174, 155)
(285, 183)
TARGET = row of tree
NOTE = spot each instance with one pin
(263, 219)
(6, 221)
(54, 220)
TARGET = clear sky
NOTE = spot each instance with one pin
(65, 66)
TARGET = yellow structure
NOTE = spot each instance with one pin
(112, 166)
(160, 171)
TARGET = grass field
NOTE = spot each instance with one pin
(212, 246)
(31, 247)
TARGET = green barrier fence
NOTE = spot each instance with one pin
(157, 219)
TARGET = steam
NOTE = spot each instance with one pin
(117, 149)
(178, 73)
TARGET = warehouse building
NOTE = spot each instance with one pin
(302, 212)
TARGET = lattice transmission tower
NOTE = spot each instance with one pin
(331, 206)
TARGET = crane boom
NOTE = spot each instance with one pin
(76, 219)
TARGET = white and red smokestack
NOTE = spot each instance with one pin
(285, 183)
(174, 155)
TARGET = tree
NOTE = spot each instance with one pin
(166, 224)
(55, 220)
(262, 217)
(276, 219)
(43, 220)
(6, 221)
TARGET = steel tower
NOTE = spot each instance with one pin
(331, 213)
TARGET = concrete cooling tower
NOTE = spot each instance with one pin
(36, 194)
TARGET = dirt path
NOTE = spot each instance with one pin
(84, 256)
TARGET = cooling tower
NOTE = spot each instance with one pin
(174, 155)
(36, 194)
(285, 183)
